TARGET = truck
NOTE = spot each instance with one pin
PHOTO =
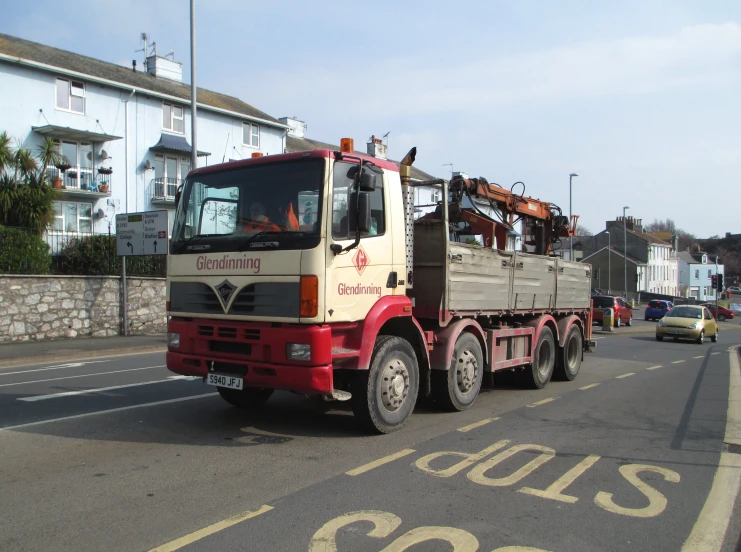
(309, 272)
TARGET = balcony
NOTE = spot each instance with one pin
(81, 182)
(162, 190)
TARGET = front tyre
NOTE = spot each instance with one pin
(383, 396)
(569, 358)
(249, 397)
(457, 387)
(539, 373)
(630, 321)
(714, 337)
(701, 338)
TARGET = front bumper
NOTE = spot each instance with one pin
(679, 333)
(256, 352)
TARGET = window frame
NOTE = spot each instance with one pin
(60, 215)
(173, 118)
(252, 134)
(381, 187)
(70, 83)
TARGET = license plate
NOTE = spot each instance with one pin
(223, 380)
(676, 332)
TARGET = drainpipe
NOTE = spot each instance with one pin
(126, 147)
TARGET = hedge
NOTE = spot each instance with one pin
(23, 252)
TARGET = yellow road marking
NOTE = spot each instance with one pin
(625, 375)
(656, 501)
(654, 367)
(555, 490)
(710, 528)
(589, 386)
(177, 544)
(477, 474)
(677, 361)
(474, 425)
(714, 353)
(380, 462)
(701, 356)
(544, 401)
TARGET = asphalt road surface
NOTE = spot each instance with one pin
(118, 454)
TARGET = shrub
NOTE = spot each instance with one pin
(96, 255)
(23, 252)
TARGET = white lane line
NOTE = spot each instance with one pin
(701, 356)
(677, 361)
(55, 367)
(474, 425)
(588, 386)
(81, 376)
(654, 367)
(102, 389)
(625, 375)
(710, 528)
(380, 462)
(109, 411)
(714, 353)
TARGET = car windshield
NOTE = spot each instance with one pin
(276, 205)
(685, 312)
(603, 302)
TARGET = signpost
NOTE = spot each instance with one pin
(139, 234)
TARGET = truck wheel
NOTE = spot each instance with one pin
(383, 396)
(569, 357)
(249, 397)
(539, 373)
(457, 387)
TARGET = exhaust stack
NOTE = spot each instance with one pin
(407, 193)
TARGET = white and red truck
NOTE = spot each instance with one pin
(308, 272)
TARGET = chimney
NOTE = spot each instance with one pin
(376, 147)
(164, 68)
(296, 128)
(638, 225)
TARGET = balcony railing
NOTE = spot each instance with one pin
(163, 190)
(81, 179)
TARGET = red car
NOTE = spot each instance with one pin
(722, 314)
(623, 312)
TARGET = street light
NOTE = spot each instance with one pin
(625, 254)
(571, 238)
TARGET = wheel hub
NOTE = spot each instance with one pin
(466, 371)
(395, 385)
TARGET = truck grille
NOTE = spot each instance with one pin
(259, 299)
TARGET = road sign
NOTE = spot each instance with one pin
(142, 233)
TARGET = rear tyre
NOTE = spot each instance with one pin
(646, 319)
(701, 339)
(659, 338)
(714, 338)
(539, 373)
(721, 318)
(249, 397)
(569, 357)
(383, 396)
(618, 322)
(630, 321)
(457, 387)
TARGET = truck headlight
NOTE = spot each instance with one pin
(298, 351)
(173, 340)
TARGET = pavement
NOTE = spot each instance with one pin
(117, 453)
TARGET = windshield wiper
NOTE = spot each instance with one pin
(187, 243)
(254, 237)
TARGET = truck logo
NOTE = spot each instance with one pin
(225, 290)
(360, 260)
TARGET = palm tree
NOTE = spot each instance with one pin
(48, 154)
(25, 164)
(6, 151)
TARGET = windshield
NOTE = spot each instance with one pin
(604, 302)
(685, 312)
(267, 205)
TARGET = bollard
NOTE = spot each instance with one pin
(608, 320)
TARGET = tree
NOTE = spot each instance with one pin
(731, 260)
(583, 231)
(48, 154)
(669, 226)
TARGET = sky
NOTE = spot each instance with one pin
(641, 98)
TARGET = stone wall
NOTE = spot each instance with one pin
(50, 307)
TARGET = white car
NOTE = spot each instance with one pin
(736, 307)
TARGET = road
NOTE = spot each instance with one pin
(116, 454)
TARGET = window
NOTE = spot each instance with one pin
(697, 274)
(173, 118)
(251, 135)
(71, 95)
(73, 217)
(710, 273)
(342, 194)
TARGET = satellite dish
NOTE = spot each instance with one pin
(99, 214)
(148, 165)
(103, 154)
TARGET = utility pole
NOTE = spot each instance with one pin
(193, 99)
(625, 254)
(609, 263)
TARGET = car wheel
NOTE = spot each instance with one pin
(630, 321)
(618, 322)
(659, 338)
(714, 339)
(701, 339)
(721, 318)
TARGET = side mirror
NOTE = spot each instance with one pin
(360, 218)
(178, 194)
(367, 181)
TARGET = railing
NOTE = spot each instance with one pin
(81, 179)
(163, 189)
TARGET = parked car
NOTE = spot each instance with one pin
(656, 309)
(733, 289)
(623, 312)
(692, 322)
(722, 313)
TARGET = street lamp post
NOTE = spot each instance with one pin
(625, 254)
(571, 238)
(193, 98)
